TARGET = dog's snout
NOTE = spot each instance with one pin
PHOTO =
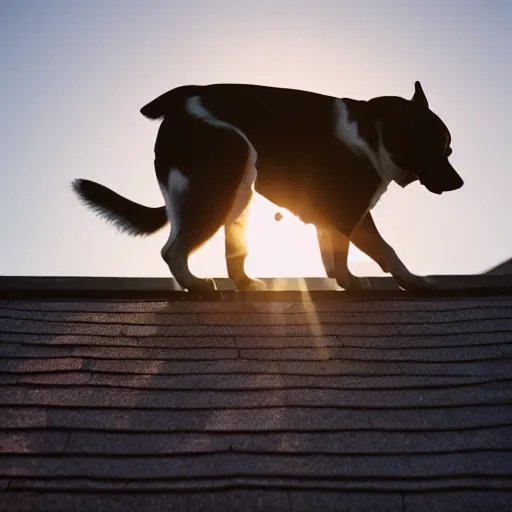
(445, 182)
(454, 183)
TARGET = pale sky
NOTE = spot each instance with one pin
(76, 73)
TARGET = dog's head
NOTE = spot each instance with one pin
(417, 141)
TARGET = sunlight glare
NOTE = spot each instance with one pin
(280, 249)
(288, 248)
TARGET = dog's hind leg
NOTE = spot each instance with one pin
(236, 253)
(188, 230)
(211, 187)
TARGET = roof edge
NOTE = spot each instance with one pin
(56, 287)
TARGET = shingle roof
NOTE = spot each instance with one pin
(504, 268)
(289, 402)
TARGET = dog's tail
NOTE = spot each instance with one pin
(169, 102)
(127, 216)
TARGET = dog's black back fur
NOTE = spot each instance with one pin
(298, 153)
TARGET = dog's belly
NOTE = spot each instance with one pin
(305, 194)
(293, 198)
(320, 188)
(286, 184)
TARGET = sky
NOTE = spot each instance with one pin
(75, 75)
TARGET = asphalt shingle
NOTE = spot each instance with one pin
(334, 404)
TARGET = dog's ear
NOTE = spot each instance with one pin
(419, 97)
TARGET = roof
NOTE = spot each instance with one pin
(120, 395)
(503, 268)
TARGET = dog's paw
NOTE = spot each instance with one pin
(353, 283)
(203, 285)
(210, 285)
(415, 283)
(250, 285)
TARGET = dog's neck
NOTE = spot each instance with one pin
(361, 132)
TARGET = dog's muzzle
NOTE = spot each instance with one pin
(439, 177)
(448, 184)
(454, 183)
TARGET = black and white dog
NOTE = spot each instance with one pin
(327, 160)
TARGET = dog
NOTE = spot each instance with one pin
(327, 160)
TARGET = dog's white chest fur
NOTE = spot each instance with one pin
(346, 130)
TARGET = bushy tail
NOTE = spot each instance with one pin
(127, 216)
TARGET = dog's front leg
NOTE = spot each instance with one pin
(334, 251)
(334, 248)
(367, 238)
(236, 254)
